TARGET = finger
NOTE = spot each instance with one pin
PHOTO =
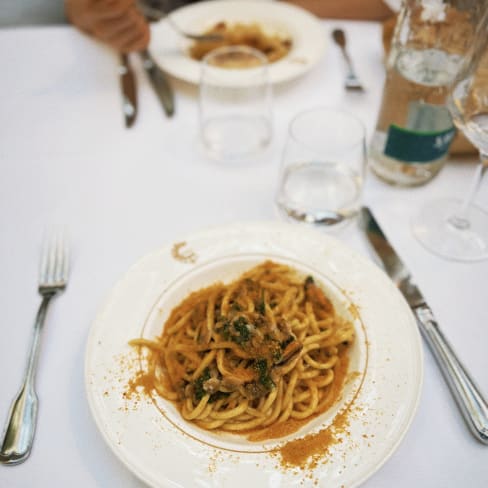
(107, 29)
(112, 9)
(115, 4)
(126, 32)
(110, 30)
(137, 42)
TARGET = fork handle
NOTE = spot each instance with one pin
(350, 68)
(22, 418)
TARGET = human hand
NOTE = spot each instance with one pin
(118, 23)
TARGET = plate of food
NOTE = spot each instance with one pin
(257, 353)
(291, 38)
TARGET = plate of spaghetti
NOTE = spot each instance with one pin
(291, 38)
(253, 353)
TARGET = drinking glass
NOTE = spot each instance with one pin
(449, 227)
(235, 103)
(323, 167)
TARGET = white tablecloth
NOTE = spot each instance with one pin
(66, 158)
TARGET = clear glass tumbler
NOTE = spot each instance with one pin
(323, 167)
(235, 103)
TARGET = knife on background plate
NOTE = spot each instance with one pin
(129, 95)
(159, 82)
(468, 397)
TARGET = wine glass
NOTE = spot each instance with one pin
(448, 227)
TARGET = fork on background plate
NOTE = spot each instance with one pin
(155, 12)
(22, 418)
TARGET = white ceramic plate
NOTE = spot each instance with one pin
(170, 49)
(163, 450)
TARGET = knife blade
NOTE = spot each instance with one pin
(159, 82)
(129, 94)
(467, 395)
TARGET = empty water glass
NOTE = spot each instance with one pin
(235, 103)
(323, 167)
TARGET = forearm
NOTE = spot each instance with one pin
(346, 9)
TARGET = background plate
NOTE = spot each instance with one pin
(169, 49)
(164, 451)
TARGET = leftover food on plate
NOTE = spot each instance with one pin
(273, 46)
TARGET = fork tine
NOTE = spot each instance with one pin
(61, 255)
(52, 259)
(67, 256)
(55, 256)
(61, 258)
(44, 262)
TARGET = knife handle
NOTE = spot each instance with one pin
(159, 82)
(129, 93)
(468, 397)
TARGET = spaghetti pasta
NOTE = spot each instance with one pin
(242, 357)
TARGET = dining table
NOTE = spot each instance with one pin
(67, 160)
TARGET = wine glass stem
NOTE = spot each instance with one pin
(461, 220)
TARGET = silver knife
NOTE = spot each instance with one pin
(159, 82)
(468, 396)
(129, 95)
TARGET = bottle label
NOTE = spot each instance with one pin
(426, 137)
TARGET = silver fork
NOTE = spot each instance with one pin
(193, 37)
(351, 81)
(21, 424)
(154, 14)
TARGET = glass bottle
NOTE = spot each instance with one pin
(414, 129)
